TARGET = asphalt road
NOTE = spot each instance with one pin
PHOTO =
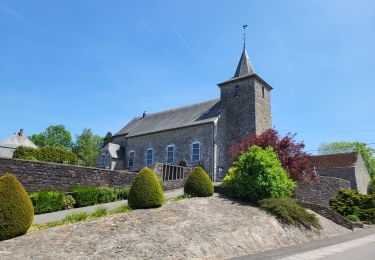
(358, 245)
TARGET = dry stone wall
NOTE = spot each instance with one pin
(36, 176)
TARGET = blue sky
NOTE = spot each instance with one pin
(97, 64)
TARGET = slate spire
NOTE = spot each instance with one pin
(244, 66)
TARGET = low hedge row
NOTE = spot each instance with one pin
(46, 154)
(49, 201)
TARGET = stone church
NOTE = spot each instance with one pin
(198, 134)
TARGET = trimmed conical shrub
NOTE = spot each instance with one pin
(146, 191)
(16, 209)
(198, 184)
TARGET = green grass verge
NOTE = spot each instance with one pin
(82, 216)
(178, 198)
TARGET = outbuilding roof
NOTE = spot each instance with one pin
(17, 140)
(340, 160)
(114, 150)
(191, 115)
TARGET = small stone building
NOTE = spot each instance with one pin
(111, 157)
(347, 166)
(198, 134)
(8, 146)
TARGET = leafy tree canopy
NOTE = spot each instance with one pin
(366, 152)
(290, 152)
(87, 147)
(53, 136)
(107, 138)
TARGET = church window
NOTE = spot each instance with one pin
(131, 158)
(196, 152)
(170, 154)
(262, 92)
(149, 157)
(103, 160)
(236, 91)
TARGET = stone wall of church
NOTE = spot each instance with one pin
(262, 107)
(181, 138)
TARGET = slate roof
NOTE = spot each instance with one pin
(114, 150)
(196, 114)
(244, 67)
(17, 140)
(341, 160)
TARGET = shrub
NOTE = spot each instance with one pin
(258, 175)
(198, 184)
(106, 194)
(85, 195)
(16, 209)
(371, 186)
(350, 202)
(353, 218)
(69, 202)
(288, 211)
(123, 193)
(46, 154)
(146, 191)
(47, 201)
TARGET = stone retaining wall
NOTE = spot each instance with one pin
(321, 190)
(36, 176)
(331, 215)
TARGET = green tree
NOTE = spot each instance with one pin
(53, 136)
(107, 138)
(366, 152)
(87, 147)
(258, 174)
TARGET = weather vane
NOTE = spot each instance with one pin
(244, 34)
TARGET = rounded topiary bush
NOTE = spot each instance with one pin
(16, 209)
(146, 191)
(198, 184)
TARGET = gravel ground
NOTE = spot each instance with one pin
(204, 228)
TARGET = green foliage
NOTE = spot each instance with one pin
(47, 201)
(53, 136)
(366, 152)
(198, 184)
(288, 211)
(353, 218)
(45, 154)
(99, 212)
(122, 193)
(120, 209)
(258, 174)
(146, 191)
(87, 147)
(107, 139)
(106, 195)
(371, 186)
(76, 217)
(180, 197)
(16, 209)
(85, 195)
(350, 202)
(69, 202)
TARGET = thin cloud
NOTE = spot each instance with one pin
(12, 13)
(177, 31)
(161, 44)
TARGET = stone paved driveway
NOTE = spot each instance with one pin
(205, 228)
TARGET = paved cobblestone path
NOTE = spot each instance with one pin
(205, 228)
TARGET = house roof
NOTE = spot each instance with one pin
(341, 160)
(114, 150)
(196, 114)
(17, 140)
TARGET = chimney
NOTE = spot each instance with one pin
(20, 133)
(144, 114)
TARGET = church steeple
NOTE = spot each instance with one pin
(244, 66)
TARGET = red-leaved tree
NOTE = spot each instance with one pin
(290, 152)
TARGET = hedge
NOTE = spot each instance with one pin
(16, 209)
(146, 191)
(47, 201)
(198, 184)
(85, 195)
(106, 195)
(122, 193)
(46, 154)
